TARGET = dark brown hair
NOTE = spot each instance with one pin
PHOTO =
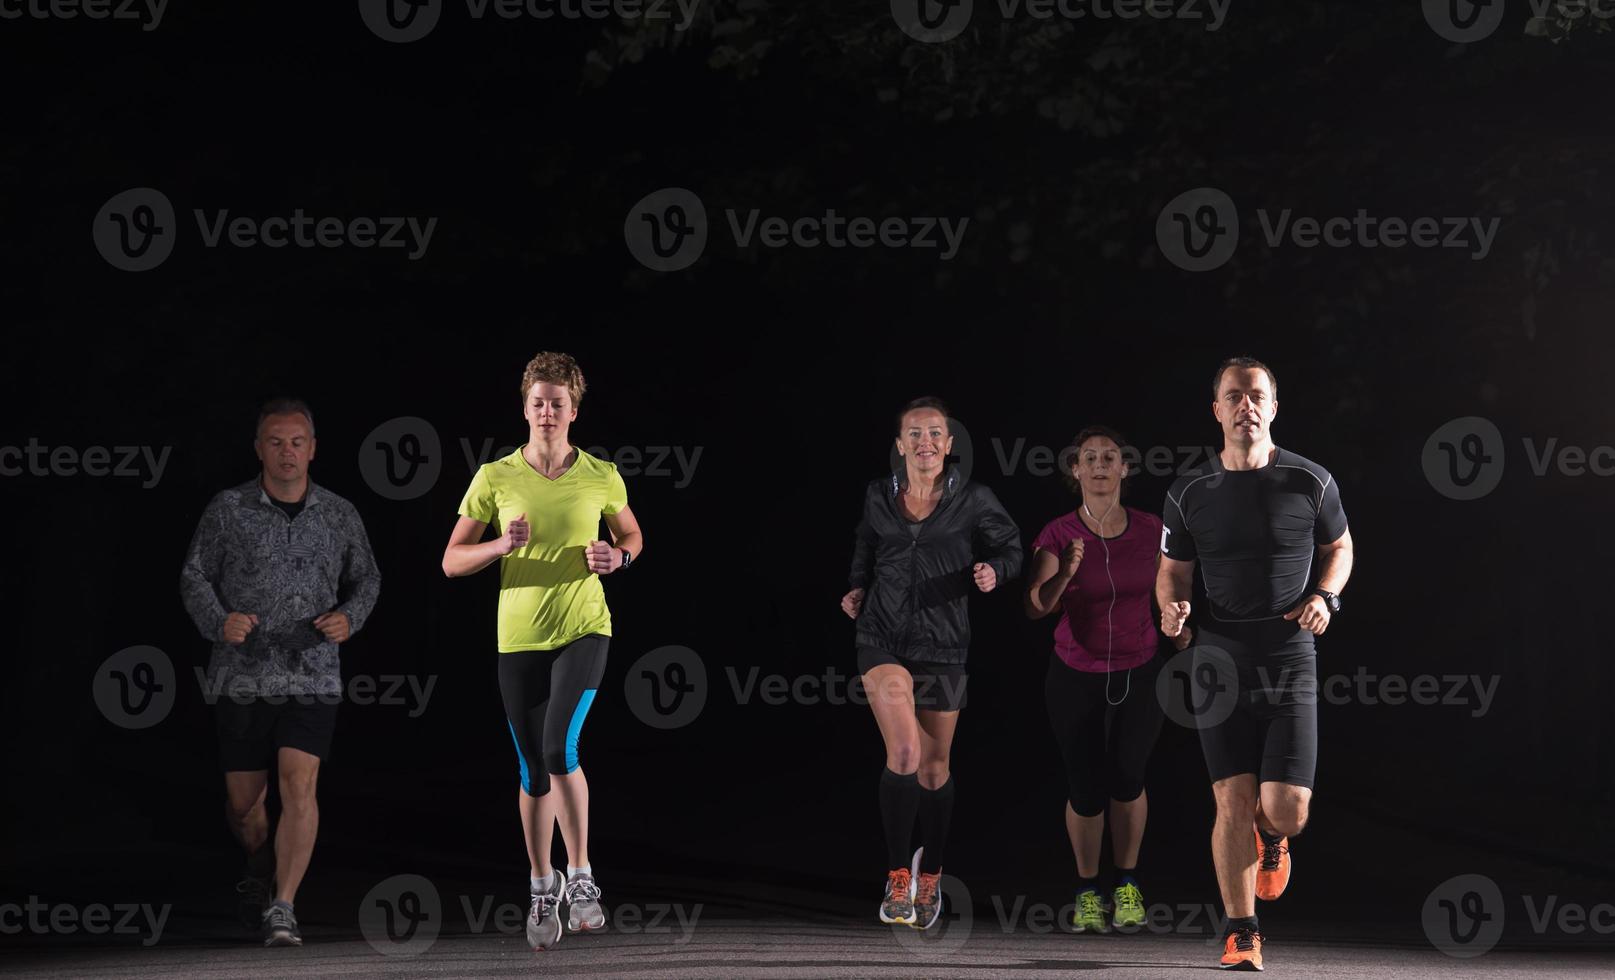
(918, 403)
(1242, 362)
(1068, 455)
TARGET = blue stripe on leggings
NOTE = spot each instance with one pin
(575, 729)
(527, 779)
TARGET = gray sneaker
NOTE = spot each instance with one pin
(583, 912)
(544, 918)
(280, 927)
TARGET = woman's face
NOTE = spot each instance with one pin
(923, 440)
(1098, 466)
(549, 410)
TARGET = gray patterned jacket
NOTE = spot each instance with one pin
(246, 556)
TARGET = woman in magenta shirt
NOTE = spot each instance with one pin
(1095, 566)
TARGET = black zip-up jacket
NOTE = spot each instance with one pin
(918, 585)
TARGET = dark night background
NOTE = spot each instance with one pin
(530, 141)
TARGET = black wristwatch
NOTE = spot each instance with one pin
(1329, 599)
(627, 557)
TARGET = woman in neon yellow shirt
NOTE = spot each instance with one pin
(546, 501)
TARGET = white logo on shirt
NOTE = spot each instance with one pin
(1164, 532)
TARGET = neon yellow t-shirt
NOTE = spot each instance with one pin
(547, 595)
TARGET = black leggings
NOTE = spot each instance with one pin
(547, 694)
(1105, 747)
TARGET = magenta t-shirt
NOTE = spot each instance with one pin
(1081, 636)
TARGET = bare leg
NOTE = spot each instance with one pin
(244, 811)
(1233, 845)
(538, 827)
(1284, 808)
(573, 813)
(299, 820)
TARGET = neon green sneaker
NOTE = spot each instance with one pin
(1090, 914)
(1129, 906)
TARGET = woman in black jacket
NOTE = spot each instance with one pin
(928, 538)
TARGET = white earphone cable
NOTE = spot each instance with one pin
(1110, 626)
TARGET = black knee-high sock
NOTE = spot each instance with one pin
(899, 801)
(936, 812)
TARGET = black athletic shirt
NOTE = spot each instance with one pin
(1254, 532)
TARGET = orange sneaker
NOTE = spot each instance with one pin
(1243, 951)
(927, 900)
(1272, 867)
(897, 905)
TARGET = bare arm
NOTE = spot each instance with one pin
(1173, 583)
(1046, 584)
(625, 532)
(468, 554)
(1335, 560)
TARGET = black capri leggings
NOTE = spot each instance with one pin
(1105, 747)
(547, 694)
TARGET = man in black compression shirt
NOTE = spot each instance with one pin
(1260, 521)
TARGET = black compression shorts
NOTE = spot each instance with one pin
(1267, 672)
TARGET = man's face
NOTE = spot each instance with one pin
(1245, 406)
(285, 447)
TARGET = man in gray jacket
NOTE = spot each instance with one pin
(278, 573)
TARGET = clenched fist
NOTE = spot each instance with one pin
(516, 535)
(602, 558)
(986, 578)
(1071, 558)
(237, 626)
(853, 603)
(335, 626)
(1313, 613)
(1173, 615)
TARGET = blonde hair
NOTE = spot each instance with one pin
(556, 369)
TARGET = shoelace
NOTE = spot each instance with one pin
(1245, 940)
(897, 882)
(1129, 897)
(1271, 855)
(280, 917)
(1091, 906)
(925, 891)
(582, 890)
(543, 906)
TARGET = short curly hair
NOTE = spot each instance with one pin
(550, 367)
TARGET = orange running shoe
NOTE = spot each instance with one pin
(897, 905)
(1272, 867)
(927, 900)
(1243, 951)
